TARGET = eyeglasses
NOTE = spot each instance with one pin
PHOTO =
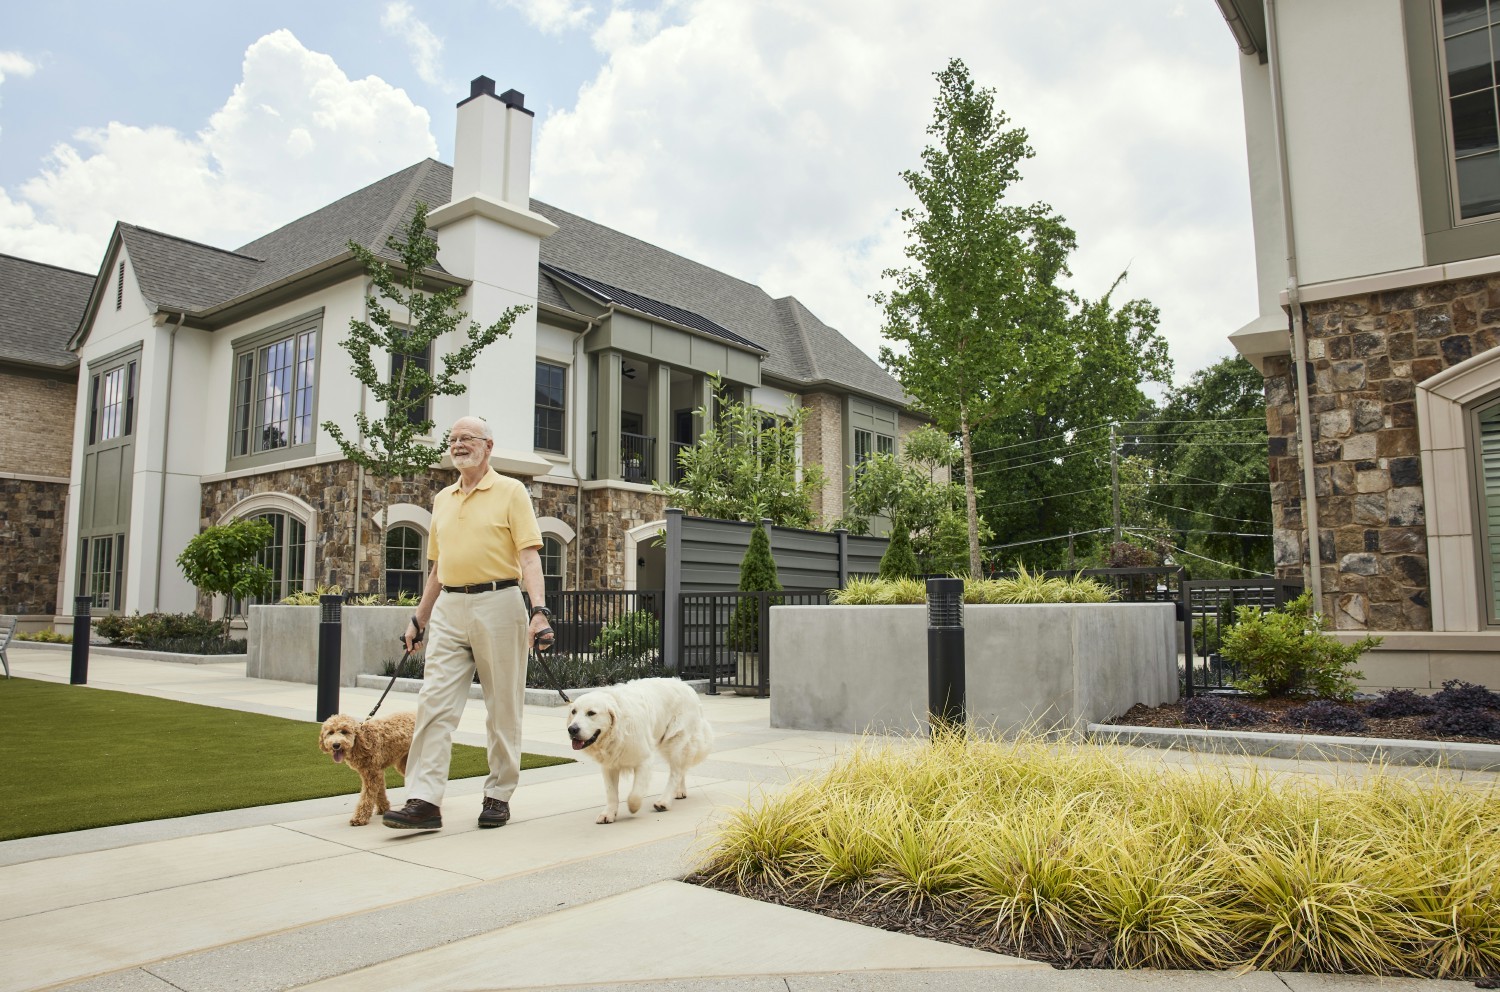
(466, 439)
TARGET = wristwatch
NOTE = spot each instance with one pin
(542, 610)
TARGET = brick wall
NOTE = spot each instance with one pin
(823, 444)
(1368, 353)
(36, 423)
(33, 516)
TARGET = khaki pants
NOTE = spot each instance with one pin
(486, 631)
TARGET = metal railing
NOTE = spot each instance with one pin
(637, 457)
(726, 636)
(1208, 607)
(678, 447)
(579, 615)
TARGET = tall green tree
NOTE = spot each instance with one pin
(971, 318)
(1046, 472)
(225, 560)
(1210, 475)
(406, 319)
(744, 467)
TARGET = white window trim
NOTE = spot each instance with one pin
(558, 528)
(278, 503)
(405, 514)
(1451, 510)
(634, 538)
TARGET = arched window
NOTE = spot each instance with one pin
(285, 554)
(553, 565)
(405, 561)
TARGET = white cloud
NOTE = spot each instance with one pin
(766, 139)
(295, 134)
(16, 64)
(426, 48)
(552, 16)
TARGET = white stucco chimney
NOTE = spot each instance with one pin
(492, 153)
(488, 234)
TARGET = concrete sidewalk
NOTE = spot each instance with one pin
(288, 897)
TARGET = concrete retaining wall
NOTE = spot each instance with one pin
(283, 641)
(857, 668)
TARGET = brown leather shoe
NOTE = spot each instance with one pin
(496, 813)
(417, 814)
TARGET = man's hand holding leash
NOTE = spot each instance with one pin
(414, 634)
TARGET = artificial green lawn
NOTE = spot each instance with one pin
(77, 757)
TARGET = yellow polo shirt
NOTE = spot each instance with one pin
(478, 537)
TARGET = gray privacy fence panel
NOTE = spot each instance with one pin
(711, 553)
(805, 559)
(865, 554)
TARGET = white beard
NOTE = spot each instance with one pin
(471, 460)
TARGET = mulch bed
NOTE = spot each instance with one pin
(1406, 728)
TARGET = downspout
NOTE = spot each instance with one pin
(166, 441)
(359, 470)
(1300, 368)
(579, 380)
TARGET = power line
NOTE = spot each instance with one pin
(1042, 540)
(1196, 478)
(1022, 444)
(1038, 499)
(1214, 561)
(1205, 513)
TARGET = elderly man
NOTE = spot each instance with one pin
(483, 546)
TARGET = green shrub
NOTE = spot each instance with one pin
(111, 627)
(310, 597)
(183, 633)
(46, 637)
(633, 637)
(1285, 652)
(899, 561)
(757, 573)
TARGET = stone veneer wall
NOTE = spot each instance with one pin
(608, 514)
(1368, 353)
(330, 489)
(33, 516)
(823, 444)
(36, 422)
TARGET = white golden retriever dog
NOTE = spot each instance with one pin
(623, 726)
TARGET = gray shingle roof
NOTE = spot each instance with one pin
(646, 305)
(40, 307)
(800, 349)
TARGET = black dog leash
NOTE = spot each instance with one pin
(533, 653)
(399, 664)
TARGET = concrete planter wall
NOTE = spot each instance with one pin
(858, 668)
(283, 641)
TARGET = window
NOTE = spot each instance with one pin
(285, 554)
(274, 378)
(885, 444)
(1469, 31)
(112, 403)
(865, 441)
(422, 412)
(553, 564)
(405, 562)
(1487, 455)
(861, 447)
(551, 407)
(101, 570)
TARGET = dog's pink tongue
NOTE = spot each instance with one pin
(577, 744)
(338, 756)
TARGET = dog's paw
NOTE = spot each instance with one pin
(661, 805)
(680, 794)
(633, 804)
(605, 818)
(358, 821)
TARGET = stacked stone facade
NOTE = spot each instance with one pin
(33, 516)
(1368, 353)
(608, 514)
(823, 444)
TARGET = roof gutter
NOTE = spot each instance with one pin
(1301, 370)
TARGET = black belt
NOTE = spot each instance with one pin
(485, 586)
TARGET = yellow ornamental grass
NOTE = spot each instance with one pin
(1090, 853)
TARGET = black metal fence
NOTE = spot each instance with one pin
(726, 637)
(579, 616)
(1208, 607)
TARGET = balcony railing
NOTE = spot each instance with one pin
(678, 447)
(637, 457)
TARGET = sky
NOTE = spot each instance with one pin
(762, 137)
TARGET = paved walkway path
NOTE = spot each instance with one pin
(291, 896)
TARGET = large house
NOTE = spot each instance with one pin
(206, 373)
(40, 307)
(1374, 155)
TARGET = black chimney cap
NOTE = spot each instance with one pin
(485, 86)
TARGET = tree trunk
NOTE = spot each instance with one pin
(969, 497)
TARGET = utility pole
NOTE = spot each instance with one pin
(1114, 477)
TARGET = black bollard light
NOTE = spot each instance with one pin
(945, 655)
(330, 655)
(83, 608)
